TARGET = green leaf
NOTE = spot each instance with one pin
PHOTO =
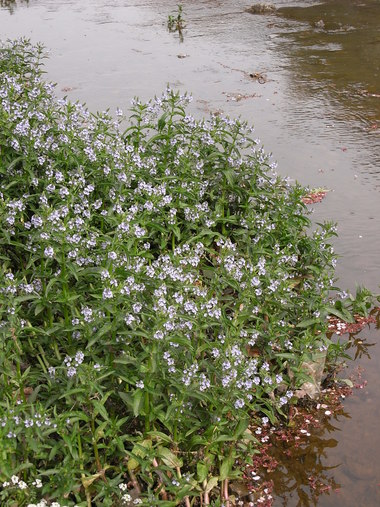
(78, 416)
(127, 398)
(140, 450)
(124, 359)
(50, 471)
(224, 438)
(308, 323)
(29, 297)
(102, 331)
(343, 315)
(137, 402)
(32, 398)
(76, 390)
(160, 436)
(212, 483)
(177, 232)
(169, 458)
(284, 355)
(202, 471)
(100, 409)
(225, 468)
(87, 481)
(241, 427)
(269, 414)
(38, 309)
(67, 298)
(162, 122)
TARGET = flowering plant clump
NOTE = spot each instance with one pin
(159, 289)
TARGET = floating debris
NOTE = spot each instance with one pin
(339, 326)
(261, 9)
(259, 77)
(316, 195)
(237, 97)
(320, 24)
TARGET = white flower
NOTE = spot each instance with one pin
(79, 357)
(49, 252)
(239, 403)
(71, 371)
(107, 294)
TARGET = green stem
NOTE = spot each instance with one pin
(80, 451)
(42, 359)
(95, 446)
(147, 407)
(56, 350)
(81, 466)
(20, 382)
(224, 230)
(65, 290)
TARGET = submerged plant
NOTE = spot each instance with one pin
(159, 289)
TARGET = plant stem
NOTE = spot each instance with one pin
(95, 446)
(225, 493)
(81, 466)
(146, 407)
(205, 496)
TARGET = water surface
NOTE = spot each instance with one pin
(316, 108)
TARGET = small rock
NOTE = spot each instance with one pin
(259, 77)
(261, 9)
(240, 488)
(315, 370)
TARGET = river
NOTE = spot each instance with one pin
(308, 77)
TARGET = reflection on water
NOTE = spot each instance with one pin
(361, 347)
(307, 473)
(335, 56)
(339, 25)
(302, 476)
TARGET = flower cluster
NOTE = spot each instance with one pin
(15, 483)
(158, 280)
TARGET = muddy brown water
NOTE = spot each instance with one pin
(315, 103)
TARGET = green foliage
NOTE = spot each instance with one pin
(159, 289)
(176, 22)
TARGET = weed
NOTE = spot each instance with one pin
(158, 285)
(176, 22)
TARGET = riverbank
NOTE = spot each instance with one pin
(161, 290)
